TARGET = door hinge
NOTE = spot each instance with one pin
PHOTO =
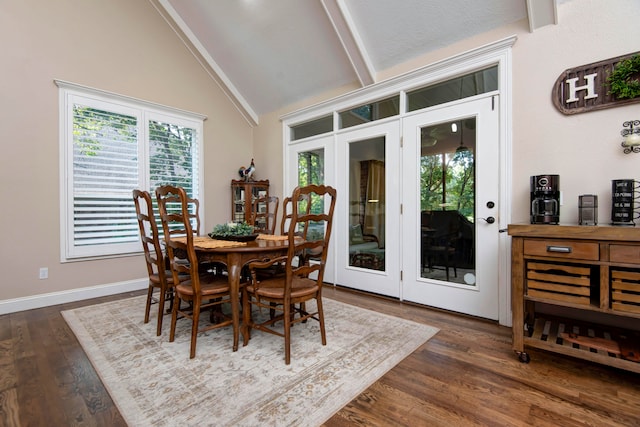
(400, 208)
(493, 103)
(401, 141)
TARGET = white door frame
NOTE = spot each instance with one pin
(498, 52)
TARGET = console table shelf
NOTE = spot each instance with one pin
(592, 272)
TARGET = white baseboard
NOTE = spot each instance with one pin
(54, 298)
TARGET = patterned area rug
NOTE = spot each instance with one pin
(154, 383)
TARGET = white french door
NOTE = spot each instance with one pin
(368, 209)
(450, 180)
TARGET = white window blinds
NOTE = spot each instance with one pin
(105, 170)
(111, 146)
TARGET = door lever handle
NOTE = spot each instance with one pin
(489, 219)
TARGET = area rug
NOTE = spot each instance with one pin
(154, 383)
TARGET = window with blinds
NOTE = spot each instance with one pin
(112, 146)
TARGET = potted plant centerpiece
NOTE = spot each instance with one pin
(241, 232)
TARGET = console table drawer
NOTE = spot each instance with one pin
(624, 253)
(625, 290)
(562, 249)
(560, 282)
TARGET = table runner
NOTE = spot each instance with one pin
(209, 243)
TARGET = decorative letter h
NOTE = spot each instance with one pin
(590, 87)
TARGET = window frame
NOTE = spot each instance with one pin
(145, 112)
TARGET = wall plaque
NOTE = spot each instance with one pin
(585, 88)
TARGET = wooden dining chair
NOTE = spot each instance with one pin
(302, 281)
(265, 214)
(173, 204)
(194, 215)
(159, 277)
(287, 211)
(199, 290)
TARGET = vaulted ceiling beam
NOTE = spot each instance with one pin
(541, 13)
(344, 26)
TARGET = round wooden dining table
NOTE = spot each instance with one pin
(235, 257)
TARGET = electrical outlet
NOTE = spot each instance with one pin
(44, 273)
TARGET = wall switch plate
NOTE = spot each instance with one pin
(44, 273)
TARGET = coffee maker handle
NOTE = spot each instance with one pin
(534, 207)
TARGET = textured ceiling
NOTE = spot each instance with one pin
(272, 53)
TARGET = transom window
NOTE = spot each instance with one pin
(471, 84)
(464, 86)
(370, 112)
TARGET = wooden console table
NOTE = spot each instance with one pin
(589, 272)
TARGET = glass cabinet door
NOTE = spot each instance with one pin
(243, 196)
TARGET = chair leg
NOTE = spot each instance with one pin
(160, 311)
(287, 333)
(446, 260)
(215, 313)
(323, 333)
(174, 316)
(169, 296)
(148, 307)
(194, 327)
(303, 308)
(272, 311)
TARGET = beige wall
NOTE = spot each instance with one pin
(123, 46)
(584, 149)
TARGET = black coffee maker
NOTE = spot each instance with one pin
(545, 199)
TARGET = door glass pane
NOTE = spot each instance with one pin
(367, 204)
(447, 201)
(311, 171)
(311, 167)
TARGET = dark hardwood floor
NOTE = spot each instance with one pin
(464, 376)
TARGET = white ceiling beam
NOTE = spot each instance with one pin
(541, 13)
(214, 70)
(353, 46)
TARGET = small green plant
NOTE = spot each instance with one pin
(232, 229)
(624, 79)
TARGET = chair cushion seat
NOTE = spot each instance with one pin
(209, 285)
(155, 278)
(300, 287)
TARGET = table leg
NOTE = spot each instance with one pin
(234, 268)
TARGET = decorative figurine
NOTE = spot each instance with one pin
(247, 173)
